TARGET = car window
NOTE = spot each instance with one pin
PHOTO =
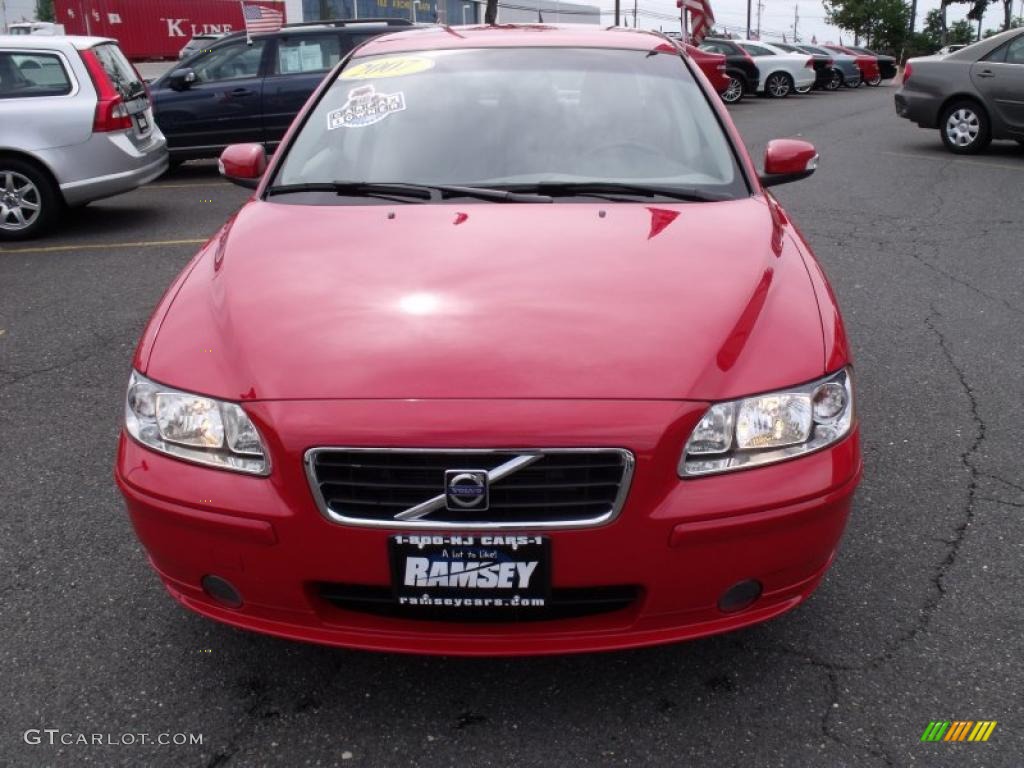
(309, 53)
(714, 48)
(756, 50)
(120, 71)
(32, 74)
(230, 62)
(515, 116)
(1015, 51)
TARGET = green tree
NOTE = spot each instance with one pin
(961, 32)
(44, 10)
(881, 23)
(935, 28)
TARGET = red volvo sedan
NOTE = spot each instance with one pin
(509, 353)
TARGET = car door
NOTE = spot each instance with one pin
(42, 104)
(222, 105)
(298, 63)
(999, 78)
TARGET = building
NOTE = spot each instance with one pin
(450, 11)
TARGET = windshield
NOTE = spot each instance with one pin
(512, 117)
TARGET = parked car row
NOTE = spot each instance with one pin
(778, 69)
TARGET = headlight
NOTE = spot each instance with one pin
(193, 427)
(771, 427)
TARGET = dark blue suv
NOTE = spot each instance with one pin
(239, 91)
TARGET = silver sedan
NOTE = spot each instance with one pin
(972, 96)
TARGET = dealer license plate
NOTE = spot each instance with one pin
(471, 571)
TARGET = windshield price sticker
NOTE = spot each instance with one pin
(365, 107)
(392, 66)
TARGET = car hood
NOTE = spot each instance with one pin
(569, 300)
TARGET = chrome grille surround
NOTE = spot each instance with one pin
(463, 457)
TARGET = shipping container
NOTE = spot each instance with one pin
(153, 29)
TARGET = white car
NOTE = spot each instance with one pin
(782, 72)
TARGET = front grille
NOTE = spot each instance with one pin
(568, 487)
(563, 603)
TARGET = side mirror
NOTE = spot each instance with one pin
(243, 164)
(787, 160)
(181, 79)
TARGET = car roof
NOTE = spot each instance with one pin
(54, 42)
(518, 36)
(341, 26)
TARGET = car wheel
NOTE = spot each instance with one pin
(964, 127)
(29, 200)
(875, 81)
(778, 85)
(836, 81)
(734, 92)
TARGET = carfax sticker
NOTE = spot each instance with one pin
(364, 107)
(391, 66)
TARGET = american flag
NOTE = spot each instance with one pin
(701, 18)
(260, 19)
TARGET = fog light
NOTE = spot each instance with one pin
(222, 590)
(739, 596)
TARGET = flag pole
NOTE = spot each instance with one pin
(248, 36)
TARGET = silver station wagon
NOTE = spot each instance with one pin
(75, 126)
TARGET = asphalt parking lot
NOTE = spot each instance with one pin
(919, 620)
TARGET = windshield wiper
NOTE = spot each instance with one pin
(392, 190)
(614, 190)
(356, 189)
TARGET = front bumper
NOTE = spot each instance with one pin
(682, 544)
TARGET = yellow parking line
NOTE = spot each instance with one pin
(957, 160)
(102, 246)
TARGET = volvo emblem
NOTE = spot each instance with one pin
(466, 489)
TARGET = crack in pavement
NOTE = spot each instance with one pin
(954, 544)
(828, 733)
(101, 345)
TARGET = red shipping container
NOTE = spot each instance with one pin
(153, 29)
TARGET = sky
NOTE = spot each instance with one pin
(17, 10)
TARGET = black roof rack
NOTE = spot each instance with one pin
(391, 22)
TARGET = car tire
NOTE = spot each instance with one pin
(30, 201)
(778, 85)
(965, 128)
(734, 93)
(875, 81)
(836, 82)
